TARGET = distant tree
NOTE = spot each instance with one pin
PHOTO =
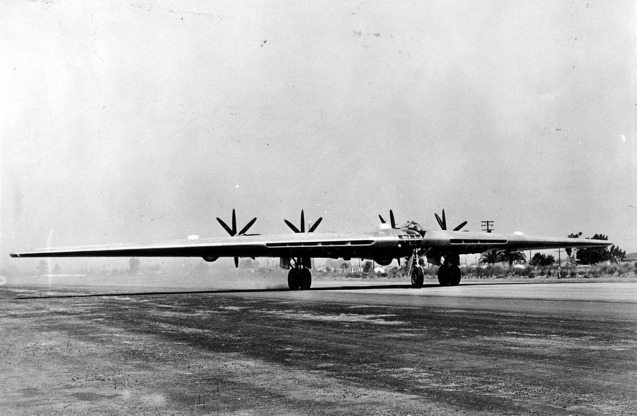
(134, 264)
(511, 256)
(43, 268)
(537, 259)
(345, 265)
(368, 266)
(616, 254)
(550, 260)
(594, 255)
(57, 269)
(542, 260)
(489, 257)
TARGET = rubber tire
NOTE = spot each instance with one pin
(417, 277)
(305, 279)
(454, 275)
(443, 275)
(294, 279)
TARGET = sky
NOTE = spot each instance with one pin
(139, 121)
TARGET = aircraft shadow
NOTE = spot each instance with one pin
(219, 291)
(265, 290)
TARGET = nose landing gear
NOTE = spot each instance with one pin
(415, 270)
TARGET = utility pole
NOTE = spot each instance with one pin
(487, 225)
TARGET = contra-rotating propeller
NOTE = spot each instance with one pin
(392, 221)
(233, 231)
(443, 222)
(302, 230)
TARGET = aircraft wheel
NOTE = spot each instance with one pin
(305, 279)
(454, 275)
(443, 275)
(294, 279)
(417, 277)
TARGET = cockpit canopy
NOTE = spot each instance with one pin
(414, 226)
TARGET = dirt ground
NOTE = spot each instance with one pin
(233, 353)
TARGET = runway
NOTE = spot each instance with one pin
(480, 348)
(602, 299)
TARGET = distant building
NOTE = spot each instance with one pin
(630, 258)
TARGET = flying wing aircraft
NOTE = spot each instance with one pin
(388, 242)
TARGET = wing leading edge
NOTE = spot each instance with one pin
(314, 245)
(379, 244)
(472, 243)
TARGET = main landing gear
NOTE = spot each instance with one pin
(299, 277)
(449, 273)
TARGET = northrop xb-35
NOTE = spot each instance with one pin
(295, 250)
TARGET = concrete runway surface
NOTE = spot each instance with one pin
(480, 348)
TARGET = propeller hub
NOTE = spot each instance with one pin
(233, 231)
(302, 228)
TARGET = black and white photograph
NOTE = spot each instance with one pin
(318, 208)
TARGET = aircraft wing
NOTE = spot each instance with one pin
(470, 243)
(285, 245)
(380, 244)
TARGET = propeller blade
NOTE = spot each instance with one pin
(316, 224)
(459, 227)
(382, 219)
(225, 226)
(302, 222)
(292, 226)
(391, 219)
(247, 227)
(236, 262)
(440, 223)
(234, 222)
(398, 260)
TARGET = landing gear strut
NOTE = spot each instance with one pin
(299, 277)
(415, 271)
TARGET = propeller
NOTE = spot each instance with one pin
(233, 231)
(442, 222)
(302, 230)
(392, 221)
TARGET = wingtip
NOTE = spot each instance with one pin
(14, 255)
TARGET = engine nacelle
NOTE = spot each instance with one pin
(210, 259)
(383, 261)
